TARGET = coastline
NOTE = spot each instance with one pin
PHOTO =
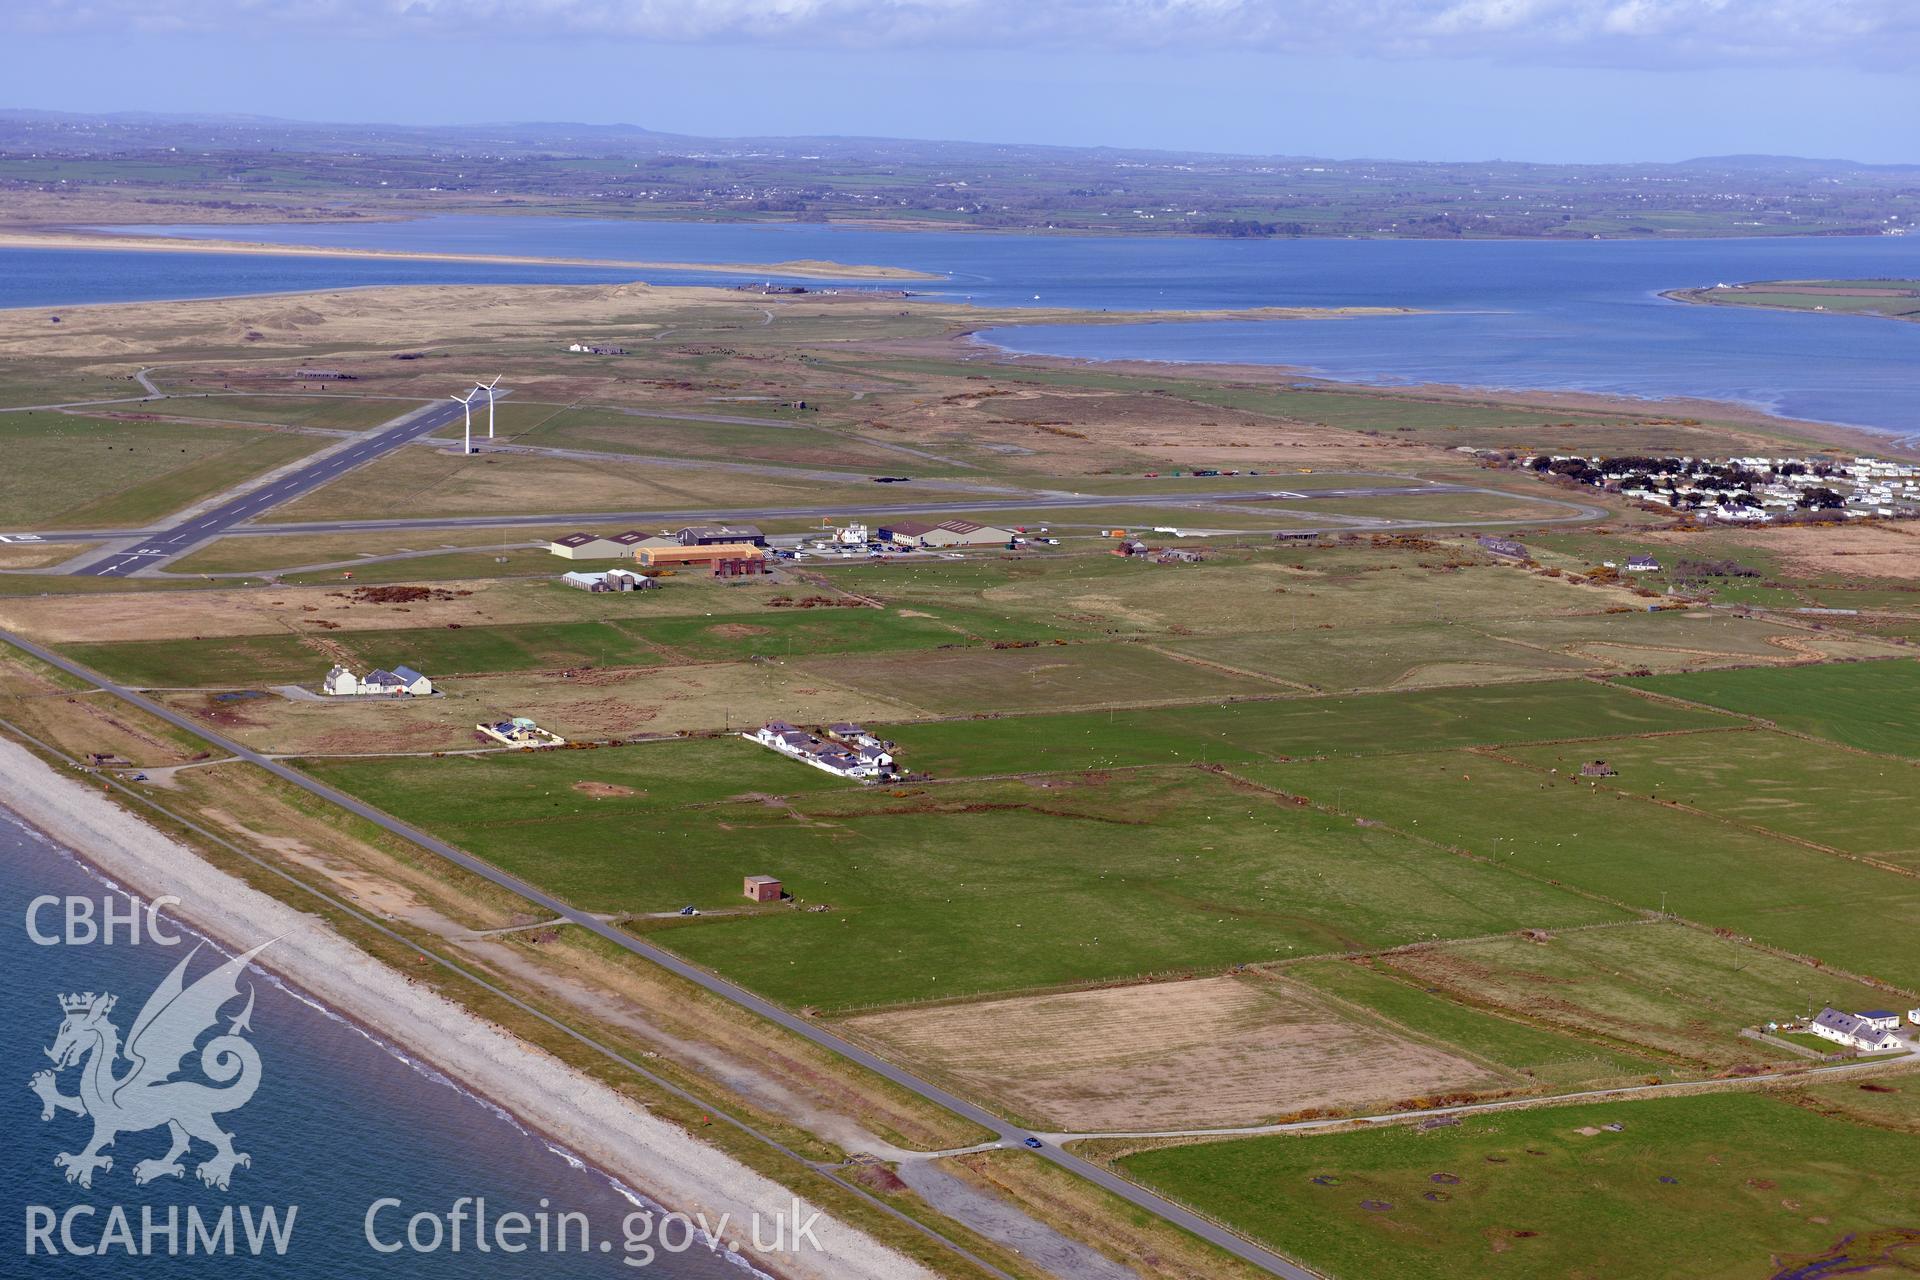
(810, 269)
(1843, 434)
(577, 1115)
(1701, 297)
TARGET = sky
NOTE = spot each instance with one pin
(1545, 80)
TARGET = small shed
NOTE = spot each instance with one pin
(763, 889)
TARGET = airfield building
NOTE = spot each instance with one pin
(608, 580)
(708, 535)
(611, 546)
(948, 533)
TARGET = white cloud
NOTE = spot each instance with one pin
(1878, 33)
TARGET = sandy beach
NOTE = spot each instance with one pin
(810, 268)
(578, 1112)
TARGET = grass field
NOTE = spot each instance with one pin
(1707, 1188)
(340, 412)
(1037, 679)
(1772, 781)
(1682, 992)
(65, 471)
(625, 640)
(1355, 725)
(1522, 1046)
(1466, 651)
(420, 482)
(1862, 705)
(957, 889)
(778, 443)
(1629, 849)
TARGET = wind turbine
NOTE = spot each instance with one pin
(467, 404)
(488, 388)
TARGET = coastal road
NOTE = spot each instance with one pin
(1008, 1134)
(157, 548)
(1050, 500)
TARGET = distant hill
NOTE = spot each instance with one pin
(1789, 164)
(155, 167)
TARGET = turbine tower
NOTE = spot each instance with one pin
(467, 404)
(488, 388)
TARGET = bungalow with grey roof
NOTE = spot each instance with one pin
(1852, 1031)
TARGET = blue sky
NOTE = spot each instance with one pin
(1584, 80)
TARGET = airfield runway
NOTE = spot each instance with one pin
(157, 548)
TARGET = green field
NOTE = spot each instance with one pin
(1479, 651)
(1629, 849)
(1727, 1187)
(1550, 1057)
(339, 412)
(1356, 725)
(957, 889)
(65, 471)
(618, 641)
(1681, 991)
(1809, 791)
(1036, 679)
(1864, 705)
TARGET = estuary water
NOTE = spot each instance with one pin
(1560, 315)
(340, 1120)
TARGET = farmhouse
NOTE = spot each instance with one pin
(400, 680)
(948, 533)
(340, 682)
(521, 732)
(595, 349)
(1864, 1032)
(763, 889)
(608, 580)
(866, 763)
(1505, 548)
(1642, 564)
(613, 546)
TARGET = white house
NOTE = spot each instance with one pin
(862, 764)
(400, 680)
(1853, 1031)
(340, 681)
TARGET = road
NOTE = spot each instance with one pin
(877, 513)
(1011, 1135)
(157, 548)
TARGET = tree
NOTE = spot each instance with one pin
(1821, 499)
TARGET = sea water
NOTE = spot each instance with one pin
(340, 1120)
(1582, 315)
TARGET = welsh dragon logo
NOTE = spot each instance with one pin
(146, 1095)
